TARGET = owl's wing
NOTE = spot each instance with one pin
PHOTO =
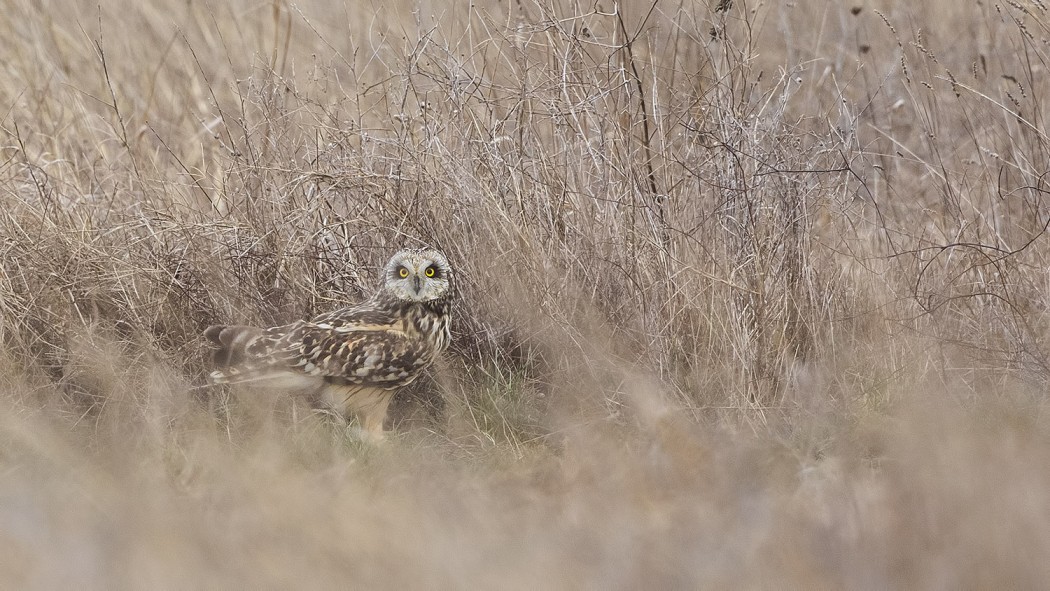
(366, 316)
(361, 346)
(368, 355)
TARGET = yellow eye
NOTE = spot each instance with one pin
(429, 272)
(403, 272)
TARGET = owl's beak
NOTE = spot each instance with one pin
(417, 284)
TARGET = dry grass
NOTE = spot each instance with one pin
(751, 298)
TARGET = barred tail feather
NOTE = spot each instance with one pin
(233, 343)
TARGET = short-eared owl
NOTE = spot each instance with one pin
(351, 360)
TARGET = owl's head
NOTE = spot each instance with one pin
(418, 276)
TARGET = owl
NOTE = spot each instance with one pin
(350, 361)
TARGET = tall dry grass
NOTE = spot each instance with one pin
(751, 295)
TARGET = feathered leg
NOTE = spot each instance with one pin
(372, 418)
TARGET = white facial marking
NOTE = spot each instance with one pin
(405, 276)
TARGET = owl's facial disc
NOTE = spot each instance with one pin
(418, 276)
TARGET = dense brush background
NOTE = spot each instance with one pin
(751, 295)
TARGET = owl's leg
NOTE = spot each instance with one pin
(372, 430)
(371, 414)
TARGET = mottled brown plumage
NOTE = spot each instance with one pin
(351, 360)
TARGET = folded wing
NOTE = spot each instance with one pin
(352, 347)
